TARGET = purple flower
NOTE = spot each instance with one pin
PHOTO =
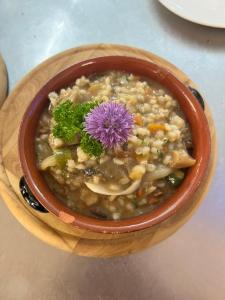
(110, 123)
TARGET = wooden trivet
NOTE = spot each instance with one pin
(46, 226)
(3, 81)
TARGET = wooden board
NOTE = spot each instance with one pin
(3, 94)
(46, 226)
(3, 81)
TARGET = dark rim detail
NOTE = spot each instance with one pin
(198, 96)
(29, 197)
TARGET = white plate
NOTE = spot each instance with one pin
(204, 12)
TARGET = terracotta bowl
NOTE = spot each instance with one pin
(190, 106)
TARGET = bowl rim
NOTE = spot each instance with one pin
(194, 115)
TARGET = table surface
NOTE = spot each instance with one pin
(191, 263)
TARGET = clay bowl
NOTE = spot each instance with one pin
(194, 115)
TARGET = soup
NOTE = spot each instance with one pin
(113, 145)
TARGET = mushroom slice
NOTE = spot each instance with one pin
(100, 189)
(181, 159)
(160, 172)
(54, 142)
(49, 161)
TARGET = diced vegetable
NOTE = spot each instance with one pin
(134, 202)
(88, 197)
(152, 200)
(62, 156)
(71, 165)
(160, 154)
(140, 192)
(176, 178)
(142, 202)
(137, 172)
(138, 119)
(157, 193)
(155, 127)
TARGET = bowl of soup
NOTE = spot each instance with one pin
(114, 144)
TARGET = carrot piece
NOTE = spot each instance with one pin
(140, 192)
(155, 127)
(152, 200)
(138, 119)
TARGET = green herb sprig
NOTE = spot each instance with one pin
(90, 145)
(69, 120)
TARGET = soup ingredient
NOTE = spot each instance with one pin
(69, 118)
(155, 127)
(89, 171)
(110, 123)
(160, 172)
(138, 119)
(176, 178)
(181, 159)
(88, 197)
(90, 145)
(48, 162)
(137, 172)
(62, 156)
(104, 190)
(59, 159)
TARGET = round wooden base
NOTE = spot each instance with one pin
(3, 81)
(46, 226)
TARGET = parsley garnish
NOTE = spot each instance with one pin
(69, 120)
(90, 145)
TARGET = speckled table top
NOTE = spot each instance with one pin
(191, 263)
